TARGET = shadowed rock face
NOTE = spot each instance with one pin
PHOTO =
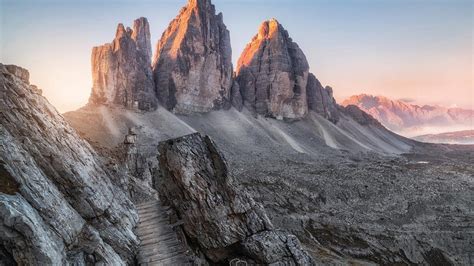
(192, 67)
(223, 220)
(121, 70)
(58, 204)
(321, 99)
(272, 73)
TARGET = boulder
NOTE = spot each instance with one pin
(222, 219)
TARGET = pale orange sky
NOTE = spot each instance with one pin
(420, 50)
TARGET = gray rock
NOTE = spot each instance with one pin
(236, 96)
(321, 99)
(121, 70)
(193, 63)
(46, 166)
(216, 214)
(19, 72)
(272, 73)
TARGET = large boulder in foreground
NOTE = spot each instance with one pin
(223, 220)
(121, 70)
(193, 62)
(58, 204)
(273, 73)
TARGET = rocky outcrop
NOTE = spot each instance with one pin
(273, 73)
(360, 116)
(121, 70)
(223, 221)
(236, 96)
(58, 203)
(193, 63)
(321, 99)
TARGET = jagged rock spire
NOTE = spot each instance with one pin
(121, 70)
(272, 73)
(192, 67)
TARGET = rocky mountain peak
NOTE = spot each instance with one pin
(121, 70)
(272, 73)
(192, 67)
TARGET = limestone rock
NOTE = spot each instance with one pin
(272, 73)
(321, 99)
(193, 63)
(121, 70)
(360, 116)
(236, 96)
(19, 72)
(217, 215)
(57, 197)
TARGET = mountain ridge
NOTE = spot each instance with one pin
(410, 119)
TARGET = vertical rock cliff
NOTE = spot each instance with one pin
(321, 99)
(193, 63)
(273, 73)
(223, 221)
(121, 70)
(58, 203)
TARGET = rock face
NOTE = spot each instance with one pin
(321, 99)
(121, 70)
(273, 73)
(58, 204)
(192, 67)
(224, 221)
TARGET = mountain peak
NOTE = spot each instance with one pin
(121, 70)
(193, 64)
(272, 73)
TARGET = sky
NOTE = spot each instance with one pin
(417, 50)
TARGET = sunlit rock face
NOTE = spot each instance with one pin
(59, 204)
(192, 66)
(121, 70)
(321, 100)
(272, 73)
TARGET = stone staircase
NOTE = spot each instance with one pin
(159, 243)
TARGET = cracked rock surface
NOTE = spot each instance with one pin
(222, 220)
(58, 203)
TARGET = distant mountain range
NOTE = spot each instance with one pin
(413, 120)
(458, 137)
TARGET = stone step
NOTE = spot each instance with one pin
(153, 218)
(148, 203)
(147, 215)
(160, 252)
(177, 260)
(158, 257)
(163, 248)
(154, 224)
(160, 236)
(142, 209)
(159, 242)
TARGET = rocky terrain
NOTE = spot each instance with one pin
(262, 166)
(413, 120)
(59, 203)
(457, 137)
